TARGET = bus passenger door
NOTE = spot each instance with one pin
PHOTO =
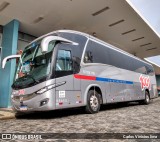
(64, 79)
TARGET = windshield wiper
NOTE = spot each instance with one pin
(29, 75)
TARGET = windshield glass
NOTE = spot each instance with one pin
(34, 66)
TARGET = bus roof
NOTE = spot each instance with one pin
(93, 38)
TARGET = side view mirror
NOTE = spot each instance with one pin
(9, 58)
(45, 42)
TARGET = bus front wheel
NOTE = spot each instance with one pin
(93, 102)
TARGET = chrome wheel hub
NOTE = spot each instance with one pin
(94, 102)
(147, 98)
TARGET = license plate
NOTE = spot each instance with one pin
(23, 108)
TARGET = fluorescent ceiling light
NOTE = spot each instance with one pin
(138, 39)
(115, 23)
(151, 49)
(38, 19)
(100, 11)
(145, 44)
(127, 32)
(4, 5)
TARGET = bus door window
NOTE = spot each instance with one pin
(64, 73)
(64, 64)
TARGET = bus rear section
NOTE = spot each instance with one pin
(115, 75)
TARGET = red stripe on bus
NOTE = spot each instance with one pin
(84, 77)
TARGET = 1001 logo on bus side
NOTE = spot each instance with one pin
(145, 82)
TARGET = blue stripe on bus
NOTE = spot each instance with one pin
(113, 80)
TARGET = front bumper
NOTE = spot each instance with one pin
(34, 102)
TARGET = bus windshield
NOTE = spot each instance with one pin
(34, 65)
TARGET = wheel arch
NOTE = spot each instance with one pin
(148, 92)
(92, 87)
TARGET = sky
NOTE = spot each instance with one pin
(155, 60)
(149, 10)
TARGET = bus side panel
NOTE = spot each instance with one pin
(125, 85)
(153, 91)
(117, 85)
(66, 95)
(138, 93)
(90, 77)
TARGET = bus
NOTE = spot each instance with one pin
(67, 69)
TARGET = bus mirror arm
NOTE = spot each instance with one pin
(6, 59)
(45, 42)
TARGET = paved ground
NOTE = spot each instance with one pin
(117, 118)
(6, 113)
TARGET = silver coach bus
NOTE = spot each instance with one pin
(65, 69)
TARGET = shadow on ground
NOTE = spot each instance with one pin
(74, 111)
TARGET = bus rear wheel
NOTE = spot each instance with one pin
(147, 98)
(146, 101)
(93, 102)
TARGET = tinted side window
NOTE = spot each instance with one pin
(117, 59)
(97, 53)
(138, 66)
(150, 70)
(80, 39)
(123, 61)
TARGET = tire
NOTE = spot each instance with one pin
(93, 102)
(146, 101)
